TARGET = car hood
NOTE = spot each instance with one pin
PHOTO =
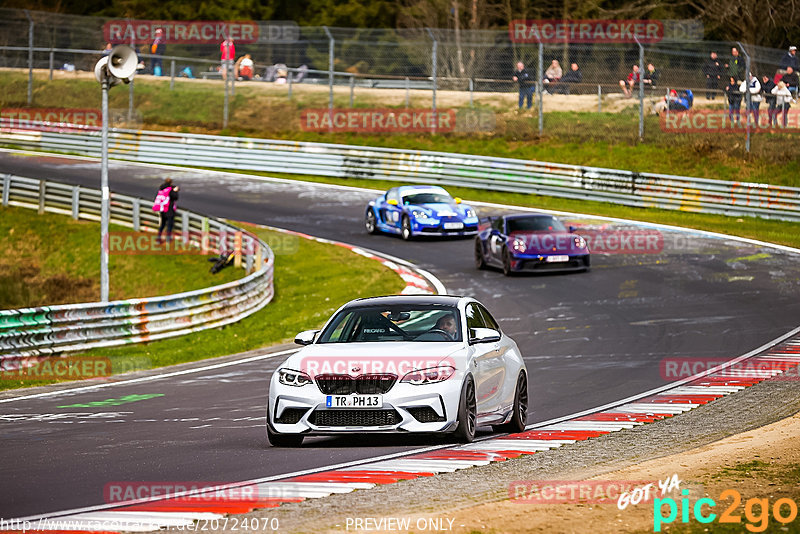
(382, 357)
(441, 209)
(548, 242)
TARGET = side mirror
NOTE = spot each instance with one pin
(458, 200)
(572, 229)
(306, 337)
(483, 335)
(392, 202)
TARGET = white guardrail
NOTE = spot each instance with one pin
(481, 172)
(47, 330)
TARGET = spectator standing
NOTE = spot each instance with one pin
(157, 49)
(791, 80)
(573, 75)
(227, 52)
(734, 100)
(633, 78)
(766, 89)
(713, 72)
(783, 100)
(522, 78)
(754, 87)
(736, 66)
(789, 59)
(165, 205)
(651, 76)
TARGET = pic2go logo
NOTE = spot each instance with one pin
(756, 511)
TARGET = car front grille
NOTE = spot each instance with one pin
(425, 414)
(387, 417)
(373, 384)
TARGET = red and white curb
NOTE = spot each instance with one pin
(670, 400)
(418, 281)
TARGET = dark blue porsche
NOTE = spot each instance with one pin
(414, 210)
(529, 242)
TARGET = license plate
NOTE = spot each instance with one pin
(554, 259)
(453, 226)
(354, 401)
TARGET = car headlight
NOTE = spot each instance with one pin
(580, 242)
(290, 377)
(518, 244)
(429, 375)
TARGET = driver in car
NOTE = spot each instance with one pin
(447, 324)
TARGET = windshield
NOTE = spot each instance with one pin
(403, 323)
(535, 224)
(428, 198)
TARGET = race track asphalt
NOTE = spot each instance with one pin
(588, 339)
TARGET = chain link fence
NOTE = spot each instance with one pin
(468, 74)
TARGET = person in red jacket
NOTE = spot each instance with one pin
(227, 54)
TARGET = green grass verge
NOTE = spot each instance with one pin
(311, 281)
(52, 259)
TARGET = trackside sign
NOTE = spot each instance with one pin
(585, 31)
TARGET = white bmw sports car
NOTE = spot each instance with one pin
(400, 364)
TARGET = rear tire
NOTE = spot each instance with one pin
(282, 440)
(405, 229)
(371, 223)
(520, 415)
(467, 413)
(480, 262)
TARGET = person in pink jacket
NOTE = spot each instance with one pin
(228, 53)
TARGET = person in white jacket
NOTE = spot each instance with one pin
(783, 100)
(754, 86)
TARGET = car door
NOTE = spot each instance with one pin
(497, 240)
(505, 361)
(391, 210)
(488, 365)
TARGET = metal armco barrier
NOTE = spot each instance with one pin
(481, 172)
(48, 330)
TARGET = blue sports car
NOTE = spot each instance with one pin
(529, 242)
(413, 210)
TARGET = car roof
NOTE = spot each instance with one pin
(528, 216)
(405, 300)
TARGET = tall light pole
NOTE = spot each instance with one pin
(118, 66)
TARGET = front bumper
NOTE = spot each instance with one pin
(539, 263)
(406, 408)
(437, 227)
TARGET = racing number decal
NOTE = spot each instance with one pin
(395, 216)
